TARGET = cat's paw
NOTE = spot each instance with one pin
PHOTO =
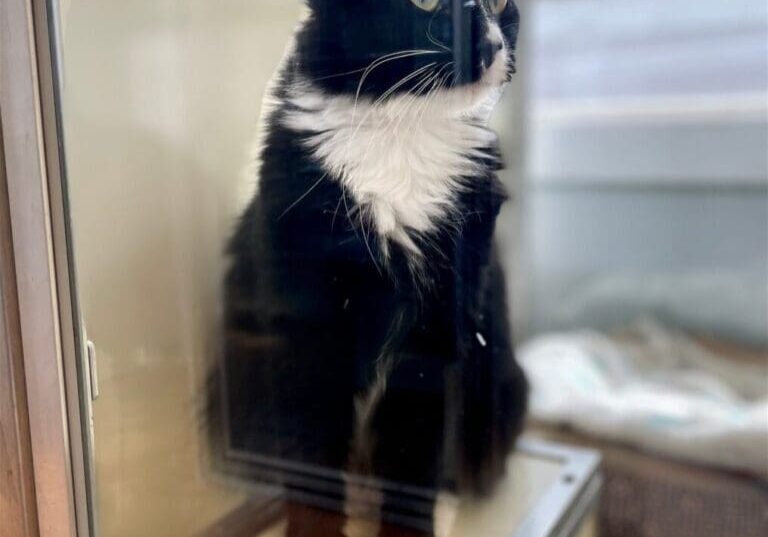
(444, 513)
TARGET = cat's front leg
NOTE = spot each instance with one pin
(407, 440)
(493, 390)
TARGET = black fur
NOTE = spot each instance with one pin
(312, 305)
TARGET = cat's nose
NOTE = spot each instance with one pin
(488, 52)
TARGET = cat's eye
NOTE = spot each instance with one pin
(497, 6)
(426, 5)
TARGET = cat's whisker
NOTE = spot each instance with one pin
(438, 43)
(304, 195)
(413, 97)
(428, 80)
(426, 76)
(349, 213)
(429, 97)
(385, 59)
(418, 96)
(417, 93)
(402, 81)
(380, 61)
(433, 39)
(401, 54)
(364, 233)
(337, 75)
(418, 89)
(445, 77)
(439, 86)
(408, 102)
(335, 213)
(423, 77)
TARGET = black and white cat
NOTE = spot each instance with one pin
(366, 321)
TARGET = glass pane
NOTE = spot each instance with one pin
(283, 217)
(301, 229)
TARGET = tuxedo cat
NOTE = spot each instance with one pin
(366, 324)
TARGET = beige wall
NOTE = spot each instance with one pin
(161, 101)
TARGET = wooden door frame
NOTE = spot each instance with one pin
(42, 416)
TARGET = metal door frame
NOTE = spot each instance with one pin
(48, 330)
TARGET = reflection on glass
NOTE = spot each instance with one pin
(283, 216)
(329, 324)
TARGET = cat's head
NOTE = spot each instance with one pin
(381, 48)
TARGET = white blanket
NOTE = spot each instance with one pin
(657, 390)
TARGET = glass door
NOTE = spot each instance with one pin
(282, 221)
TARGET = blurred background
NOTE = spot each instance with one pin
(646, 164)
(636, 139)
(642, 264)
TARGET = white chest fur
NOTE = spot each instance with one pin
(403, 161)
